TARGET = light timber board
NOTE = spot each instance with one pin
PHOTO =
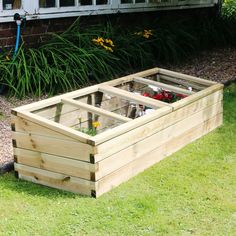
(198, 101)
(82, 137)
(54, 163)
(183, 82)
(25, 126)
(132, 97)
(133, 168)
(163, 86)
(135, 135)
(186, 77)
(96, 110)
(194, 97)
(55, 180)
(75, 150)
(148, 144)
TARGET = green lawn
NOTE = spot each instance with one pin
(193, 192)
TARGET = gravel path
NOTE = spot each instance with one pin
(218, 65)
(6, 154)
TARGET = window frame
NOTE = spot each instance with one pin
(113, 6)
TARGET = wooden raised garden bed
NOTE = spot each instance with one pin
(91, 140)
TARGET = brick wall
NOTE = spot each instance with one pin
(34, 31)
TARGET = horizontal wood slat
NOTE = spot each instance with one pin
(82, 137)
(196, 96)
(56, 180)
(133, 168)
(26, 126)
(148, 144)
(55, 100)
(49, 145)
(130, 137)
(186, 77)
(49, 149)
(163, 86)
(183, 82)
(132, 97)
(96, 110)
(54, 163)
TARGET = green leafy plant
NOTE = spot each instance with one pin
(229, 9)
(83, 56)
(92, 131)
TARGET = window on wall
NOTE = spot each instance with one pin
(47, 3)
(52, 3)
(44, 9)
(102, 2)
(11, 4)
(67, 3)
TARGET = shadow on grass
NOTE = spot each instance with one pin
(10, 182)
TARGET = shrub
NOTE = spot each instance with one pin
(229, 9)
(79, 57)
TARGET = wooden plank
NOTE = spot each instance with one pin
(133, 168)
(55, 100)
(150, 143)
(186, 77)
(96, 110)
(132, 97)
(131, 136)
(26, 126)
(124, 128)
(81, 92)
(54, 163)
(181, 82)
(49, 112)
(128, 78)
(188, 109)
(194, 97)
(55, 180)
(75, 150)
(163, 86)
(84, 138)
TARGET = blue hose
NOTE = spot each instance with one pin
(17, 39)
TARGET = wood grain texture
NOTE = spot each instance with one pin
(150, 143)
(132, 97)
(55, 180)
(75, 150)
(133, 168)
(26, 126)
(82, 137)
(58, 164)
(130, 137)
(163, 86)
(186, 77)
(96, 110)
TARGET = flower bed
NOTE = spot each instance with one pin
(93, 139)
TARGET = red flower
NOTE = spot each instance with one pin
(146, 95)
(158, 96)
(166, 96)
